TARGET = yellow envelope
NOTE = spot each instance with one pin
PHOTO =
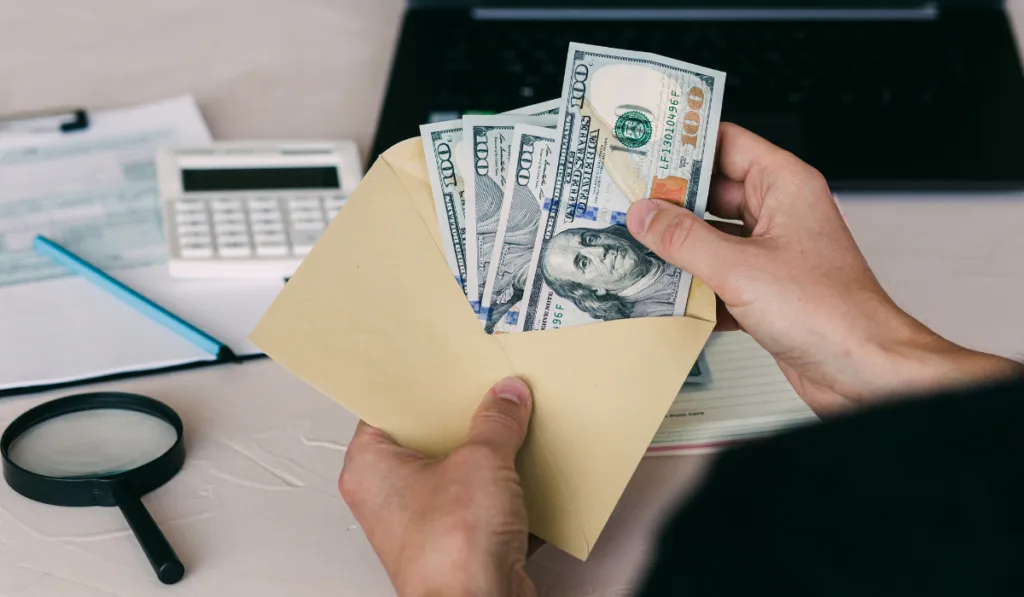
(373, 319)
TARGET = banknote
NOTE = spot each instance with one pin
(447, 162)
(534, 150)
(442, 143)
(489, 141)
(631, 125)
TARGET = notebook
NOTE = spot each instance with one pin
(747, 397)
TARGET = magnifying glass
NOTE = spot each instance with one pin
(101, 449)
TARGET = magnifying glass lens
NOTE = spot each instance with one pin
(92, 443)
(99, 449)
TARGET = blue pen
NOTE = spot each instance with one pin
(90, 272)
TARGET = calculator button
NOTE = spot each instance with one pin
(191, 218)
(331, 213)
(258, 228)
(308, 214)
(308, 224)
(194, 229)
(265, 216)
(225, 219)
(229, 227)
(264, 213)
(304, 204)
(189, 206)
(226, 205)
(266, 221)
(272, 250)
(234, 249)
(273, 238)
(231, 237)
(266, 204)
(336, 202)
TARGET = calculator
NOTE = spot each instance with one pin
(250, 209)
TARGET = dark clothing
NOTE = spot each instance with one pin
(923, 497)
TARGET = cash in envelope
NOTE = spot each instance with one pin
(533, 221)
(373, 319)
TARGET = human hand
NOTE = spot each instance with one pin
(453, 526)
(793, 278)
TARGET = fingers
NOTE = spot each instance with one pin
(686, 241)
(502, 419)
(730, 228)
(725, 198)
(724, 321)
(740, 151)
(371, 456)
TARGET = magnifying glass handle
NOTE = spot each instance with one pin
(166, 564)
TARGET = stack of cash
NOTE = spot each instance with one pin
(532, 203)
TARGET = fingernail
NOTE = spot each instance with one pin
(513, 389)
(639, 216)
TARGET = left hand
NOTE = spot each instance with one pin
(453, 526)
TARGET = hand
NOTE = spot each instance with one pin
(453, 526)
(793, 278)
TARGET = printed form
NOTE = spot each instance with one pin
(95, 192)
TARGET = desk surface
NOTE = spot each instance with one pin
(256, 510)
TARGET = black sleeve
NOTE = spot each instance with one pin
(921, 497)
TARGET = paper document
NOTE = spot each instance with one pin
(748, 397)
(95, 192)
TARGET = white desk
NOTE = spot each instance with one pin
(256, 512)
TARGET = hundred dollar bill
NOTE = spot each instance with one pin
(534, 150)
(489, 143)
(441, 144)
(446, 163)
(632, 125)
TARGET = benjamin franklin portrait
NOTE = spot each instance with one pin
(608, 274)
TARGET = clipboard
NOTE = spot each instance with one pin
(56, 329)
(61, 119)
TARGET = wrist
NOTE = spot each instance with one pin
(911, 359)
(519, 586)
(465, 580)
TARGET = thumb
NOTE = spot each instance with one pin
(681, 238)
(501, 420)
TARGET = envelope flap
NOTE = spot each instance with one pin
(701, 303)
(408, 162)
(602, 391)
(374, 319)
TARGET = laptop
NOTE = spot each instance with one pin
(877, 94)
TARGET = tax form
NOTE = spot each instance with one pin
(95, 192)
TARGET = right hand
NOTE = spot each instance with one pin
(793, 278)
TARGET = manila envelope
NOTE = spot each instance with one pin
(374, 319)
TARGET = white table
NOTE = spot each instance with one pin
(255, 511)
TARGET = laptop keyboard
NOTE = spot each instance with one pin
(770, 65)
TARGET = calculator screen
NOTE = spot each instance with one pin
(251, 179)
